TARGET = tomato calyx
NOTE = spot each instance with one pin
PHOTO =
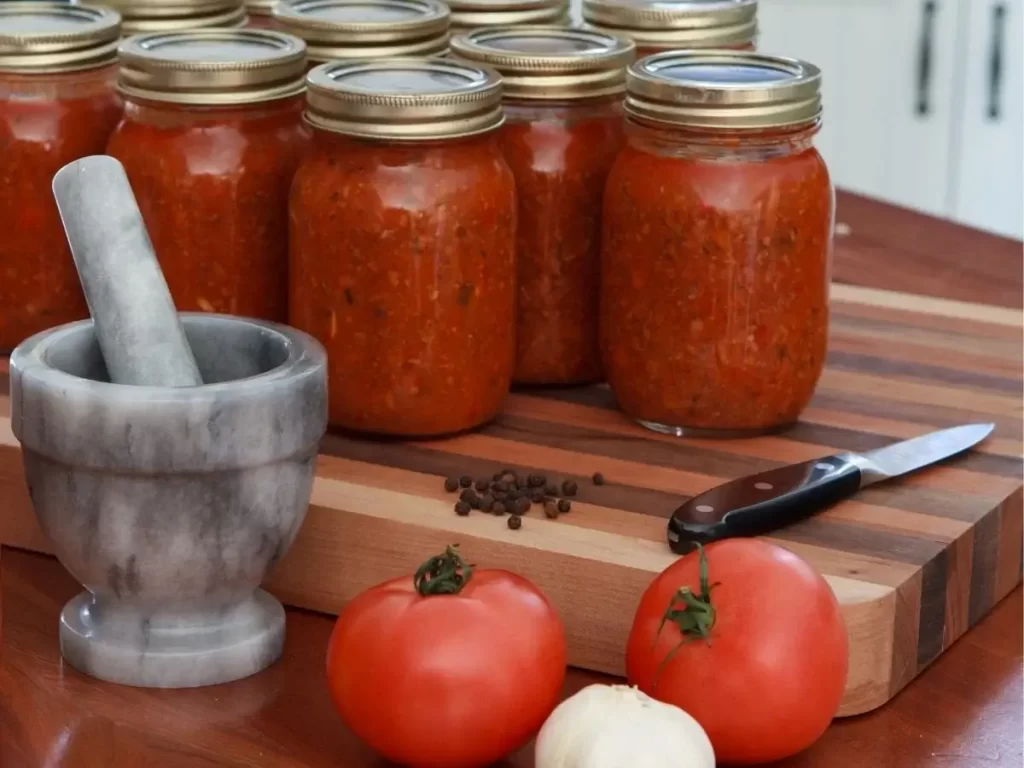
(692, 613)
(444, 574)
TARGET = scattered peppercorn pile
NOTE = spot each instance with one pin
(507, 492)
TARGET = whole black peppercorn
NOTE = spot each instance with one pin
(486, 502)
(536, 481)
(551, 490)
(598, 478)
(498, 508)
(510, 477)
(515, 522)
(569, 487)
(513, 494)
(465, 481)
(537, 496)
(461, 508)
(496, 476)
(467, 495)
(522, 505)
(451, 484)
(564, 505)
(482, 485)
(550, 509)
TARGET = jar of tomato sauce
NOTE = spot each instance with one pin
(657, 26)
(468, 15)
(717, 244)
(403, 244)
(366, 29)
(211, 136)
(563, 130)
(57, 104)
(142, 16)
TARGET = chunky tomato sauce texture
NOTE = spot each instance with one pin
(212, 186)
(46, 122)
(715, 286)
(560, 157)
(403, 266)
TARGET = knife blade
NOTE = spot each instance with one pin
(760, 503)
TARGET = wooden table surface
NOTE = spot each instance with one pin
(964, 712)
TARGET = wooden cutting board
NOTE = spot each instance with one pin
(914, 562)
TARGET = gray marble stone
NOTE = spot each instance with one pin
(136, 323)
(170, 505)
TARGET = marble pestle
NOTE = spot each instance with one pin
(137, 327)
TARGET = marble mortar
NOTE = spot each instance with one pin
(170, 505)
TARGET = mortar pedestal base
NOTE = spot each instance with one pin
(157, 649)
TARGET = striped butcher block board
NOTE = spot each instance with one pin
(914, 562)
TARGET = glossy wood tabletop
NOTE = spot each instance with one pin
(965, 711)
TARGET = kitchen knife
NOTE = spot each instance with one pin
(758, 504)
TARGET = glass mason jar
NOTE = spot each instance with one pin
(366, 29)
(657, 26)
(468, 15)
(717, 244)
(58, 103)
(211, 136)
(143, 16)
(563, 130)
(403, 244)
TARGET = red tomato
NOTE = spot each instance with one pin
(451, 668)
(768, 678)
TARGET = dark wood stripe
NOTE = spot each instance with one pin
(933, 610)
(919, 413)
(854, 539)
(850, 361)
(595, 442)
(819, 434)
(638, 448)
(984, 565)
(863, 320)
(853, 440)
(841, 536)
(416, 458)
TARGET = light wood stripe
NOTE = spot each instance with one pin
(901, 304)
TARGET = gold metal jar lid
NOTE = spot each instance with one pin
(367, 29)
(142, 16)
(550, 62)
(723, 90)
(675, 24)
(472, 14)
(56, 37)
(404, 99)
(212, 67)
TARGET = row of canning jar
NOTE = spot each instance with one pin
(413, 258)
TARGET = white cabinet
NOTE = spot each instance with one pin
(987, 181)
(907, 89)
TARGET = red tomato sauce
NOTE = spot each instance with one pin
(212, 185)
(715, 282)
(46, 122)
(560, 157)
(403, 260)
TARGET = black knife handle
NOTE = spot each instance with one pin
(758, 504)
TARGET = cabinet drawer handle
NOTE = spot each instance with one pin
(995, 62)
(924, 58)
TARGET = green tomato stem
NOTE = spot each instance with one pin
(692, 613)
(443, 574)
